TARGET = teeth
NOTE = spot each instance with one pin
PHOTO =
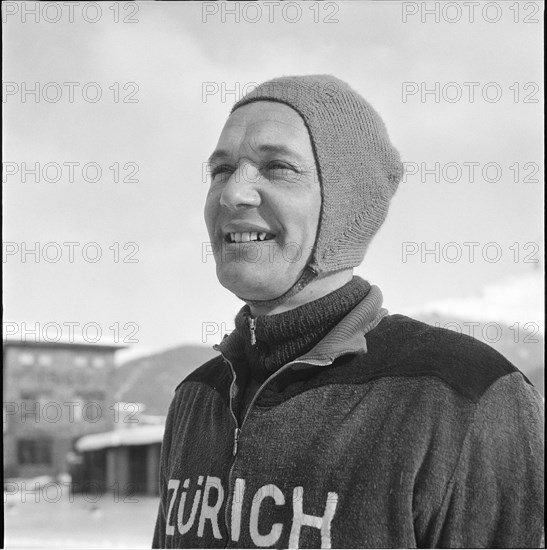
(247, 236)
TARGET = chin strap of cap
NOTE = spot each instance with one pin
(308, 275)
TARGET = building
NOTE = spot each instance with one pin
(54, 393)
(125, 461)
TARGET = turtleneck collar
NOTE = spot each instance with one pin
(281, 338)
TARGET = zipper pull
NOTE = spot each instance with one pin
(237, 431)
(252, 327)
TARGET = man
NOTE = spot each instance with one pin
(325, 422)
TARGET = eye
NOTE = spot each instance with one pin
(277, 169)
(221, 172)
(279, 165)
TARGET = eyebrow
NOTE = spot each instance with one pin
(276, 149)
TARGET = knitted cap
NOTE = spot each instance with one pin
(359, 170)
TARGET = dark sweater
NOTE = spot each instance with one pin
(412, 436)
(282, 338)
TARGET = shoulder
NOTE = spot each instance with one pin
(213, 373)
(401, 346)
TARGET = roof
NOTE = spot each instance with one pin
(141, 435)
(62, 345)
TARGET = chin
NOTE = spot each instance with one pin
(251, 284)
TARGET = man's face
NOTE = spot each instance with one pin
(263, 206)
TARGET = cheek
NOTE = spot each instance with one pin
(210, 211)
(316, 209)
(301, 217)
(312, 214)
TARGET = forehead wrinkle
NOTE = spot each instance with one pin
(268, 113)
(263, 129)
(259, 136)
(260, 147)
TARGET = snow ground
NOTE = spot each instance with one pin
(54, 518)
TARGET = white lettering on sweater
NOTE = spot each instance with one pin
(182, 526)
(273, 536)
(211, 505)
(237, 504)
(173, 484)
(300, 519)
(209, 512)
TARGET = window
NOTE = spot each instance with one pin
(30, 407)
(98, 362)
(34, 451)
(29, 396)
(32, 404)
(26, 358)
(44, 360)
(80, 361)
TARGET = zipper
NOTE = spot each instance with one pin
(237, 429)
(252, 328)
(314, 362)
(234, 452)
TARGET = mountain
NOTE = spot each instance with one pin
(514, 299)
(152, 379)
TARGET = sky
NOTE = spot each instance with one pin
(168, 74)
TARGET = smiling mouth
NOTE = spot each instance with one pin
(248, 236)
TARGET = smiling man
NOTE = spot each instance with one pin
(325, 422)
(264, 141)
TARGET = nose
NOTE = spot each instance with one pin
(240, 191)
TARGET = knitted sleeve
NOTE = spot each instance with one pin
(158, 540)
(495, 497)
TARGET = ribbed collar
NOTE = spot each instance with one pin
(323, 325)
